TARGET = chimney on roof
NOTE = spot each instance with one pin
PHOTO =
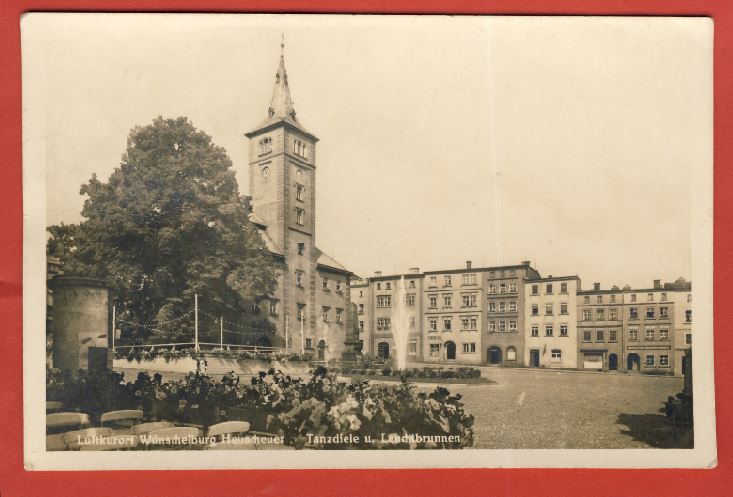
(414, 270)
(377, 273)
(657, 284)
(596, 286)
(526, 263)
(468, 264)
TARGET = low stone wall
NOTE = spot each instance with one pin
(214, 366)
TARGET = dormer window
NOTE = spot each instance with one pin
(264, 146)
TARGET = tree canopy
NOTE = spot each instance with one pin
(169, 223)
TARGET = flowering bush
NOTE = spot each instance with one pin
(319, 412)
(327, 413)
(426, 372)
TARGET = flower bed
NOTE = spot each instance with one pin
(319, 412)
(411, 373)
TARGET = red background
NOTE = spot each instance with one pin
(15, 481)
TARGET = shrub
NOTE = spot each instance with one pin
(291, 407)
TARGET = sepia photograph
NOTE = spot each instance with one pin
(328, 238)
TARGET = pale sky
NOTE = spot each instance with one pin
(569, 142)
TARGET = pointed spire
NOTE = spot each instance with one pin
(281, 104)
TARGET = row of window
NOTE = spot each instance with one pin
(649, 334)
(468, 348)
(264, 146)
(503, 306)
(466, 279)
(325, 284)
(549, 288)
(663, 360)
(502, 326)
(549, 330)
(600, 336)
(549, 309)
(326, 311)
(300, 149)
(651, 313)
(467, 300)
(502, 288)
(386, 323)
(386, 300)
(467, 323)
(632, 298)
(388, 285)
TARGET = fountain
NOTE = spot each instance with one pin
(400, 324)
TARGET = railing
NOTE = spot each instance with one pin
(203, 347)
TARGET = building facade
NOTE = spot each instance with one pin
(551, 325)
(505, 316)
(601, 329)
(453, 317)
(649, 330)
(310, 309)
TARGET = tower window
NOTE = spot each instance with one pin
(299, 215)
(299, 190)
(264, 146)
(299, 148)
(301, 248)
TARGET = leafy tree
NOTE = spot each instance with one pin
(170, 223)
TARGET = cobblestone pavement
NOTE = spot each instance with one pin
(529, 409)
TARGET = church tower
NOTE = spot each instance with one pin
(282, 157)
(311, 306)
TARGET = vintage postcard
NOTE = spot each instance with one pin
(331, 241)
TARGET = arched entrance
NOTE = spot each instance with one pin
(322, 350)
(633, 362)
(494, 356)
(612, 362)
(450, 351)
(383, 350)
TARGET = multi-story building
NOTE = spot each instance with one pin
(649, 324)
(600, 329)
(376, 308)
(453, 316)
(551, 322)
(680, 292)
(361, 298)
(505, 316)
(311, 305)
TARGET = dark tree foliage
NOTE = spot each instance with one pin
(170, 223)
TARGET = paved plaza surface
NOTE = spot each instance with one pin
(533, 409)
(543, 409)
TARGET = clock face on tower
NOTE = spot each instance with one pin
(266, 173)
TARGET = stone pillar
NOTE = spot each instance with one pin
(82, 315)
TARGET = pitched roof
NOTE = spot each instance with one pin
(270, 244)
(329, 262)
(281, 108)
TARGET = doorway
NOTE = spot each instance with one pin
(322, 350)
(383, 350)
(612, 362)
(450, 351)
(494, 356)
(633, 362)
(534, 358)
